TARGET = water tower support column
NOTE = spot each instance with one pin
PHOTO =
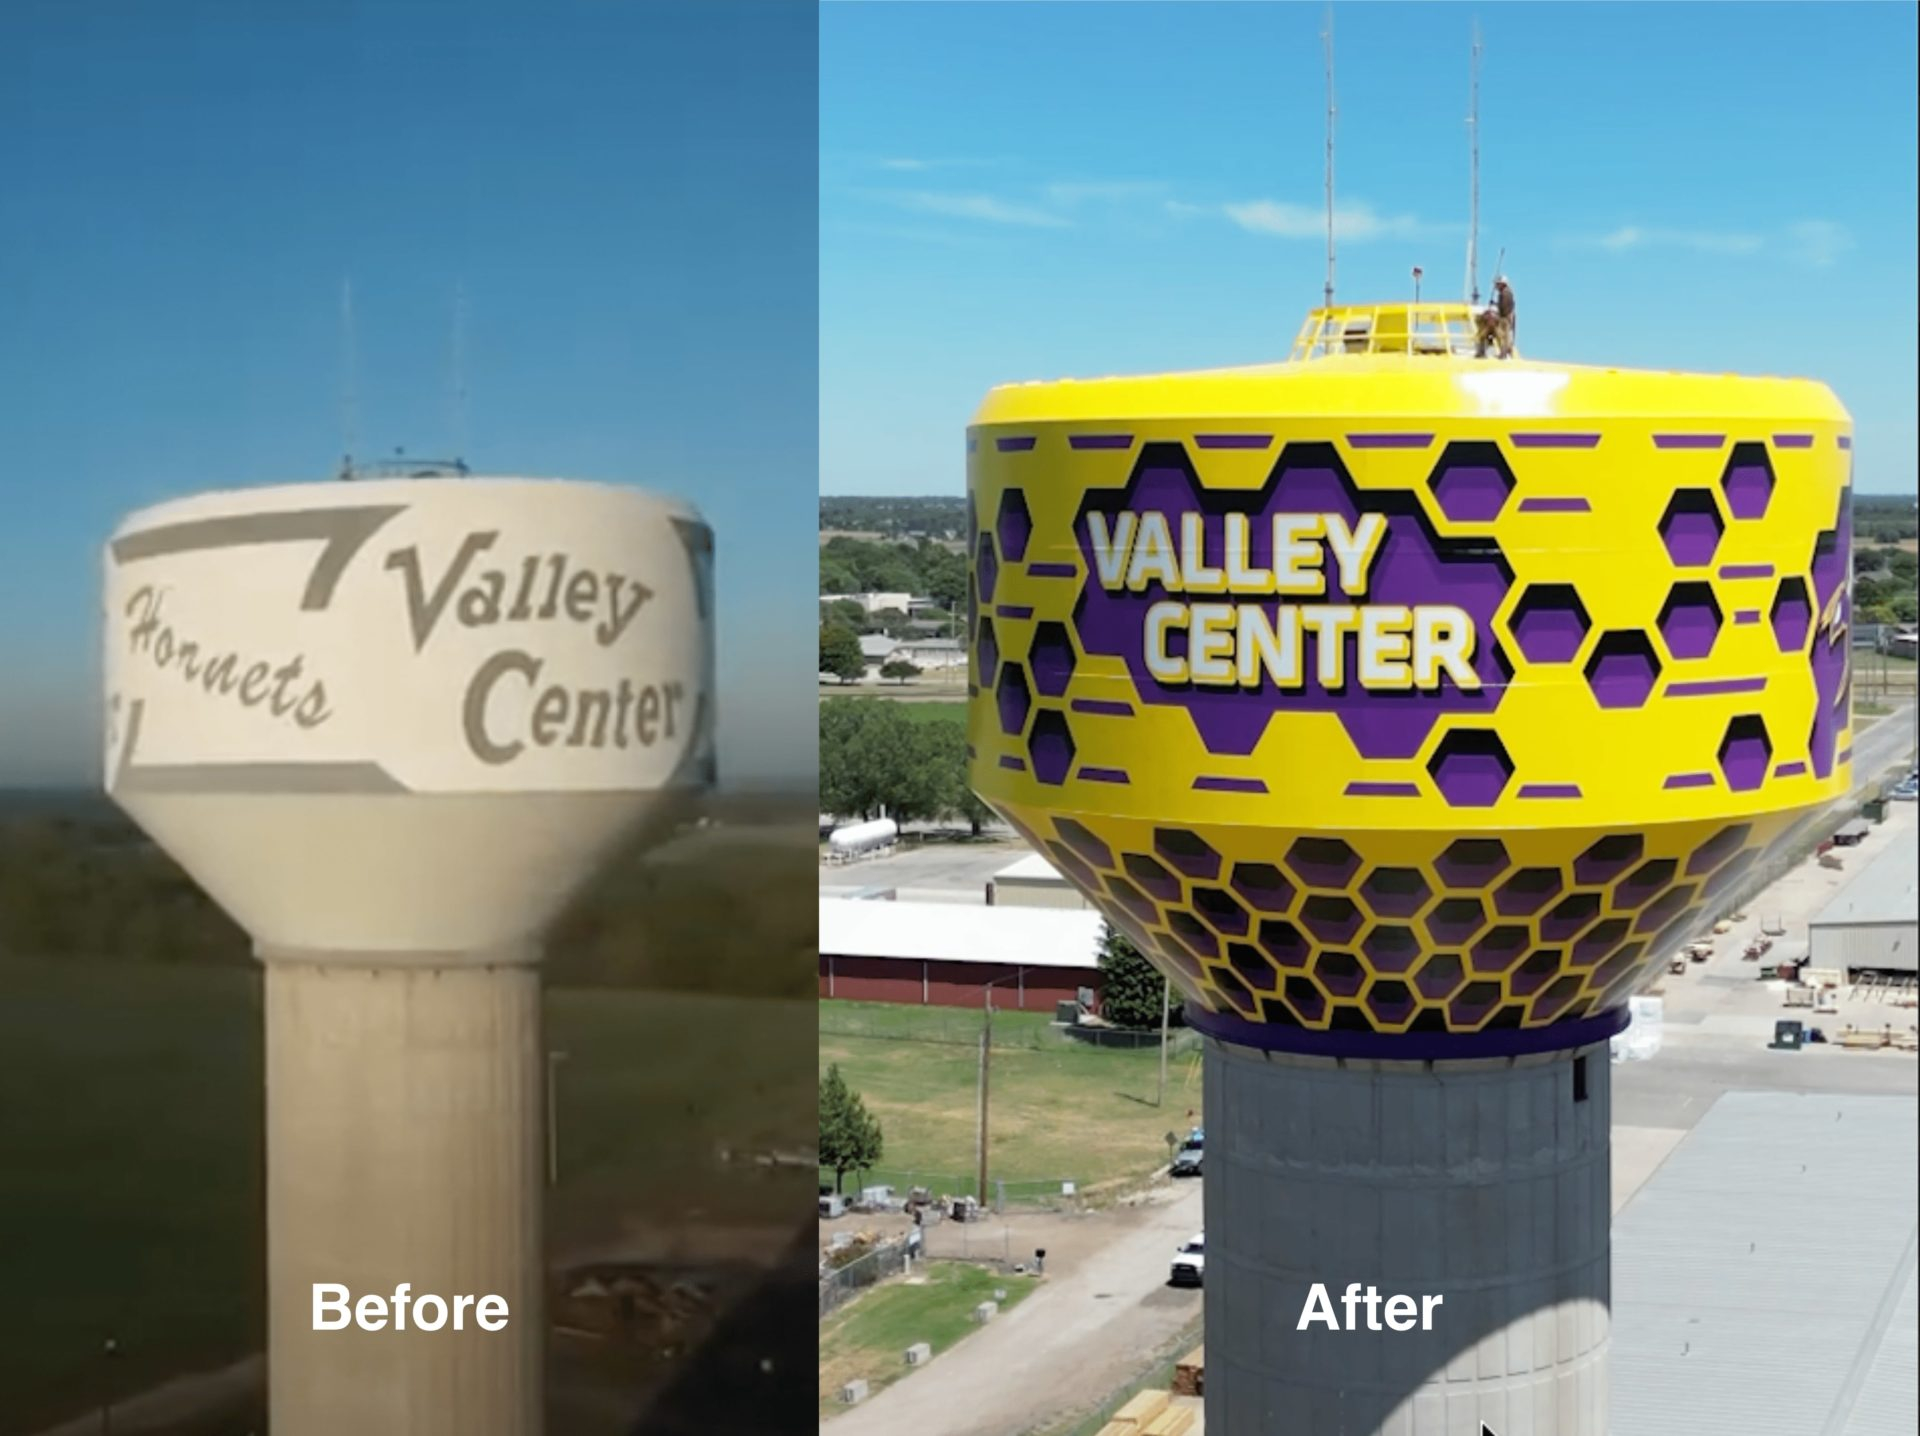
(404, 1143)
(1485, 1182)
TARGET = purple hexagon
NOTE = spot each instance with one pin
(1527, 891)
(1746, 753)
(1220, 911)
(1475, 1001)
(1440, 976)
(1188, 852)
(1308, 1002)
(1142, 908)
(1543, 964)
(1194, 933)
(1597, 941)
(1550, 623)
(1663, 909)
(1051, 658)
(1471, 482)
(1394, 892)
(1015, 699)
(1083, 842)
(1748, 481)
(1412, 563)
(1263, 885)
(1340, 973)
(1623, 669)
(1617, 971)
(1184, 961)
(1323, 862)
(986, 569)
(1284, 943)
(1556, 999)
(1330, 918)
(1608, 857)
(1639, 887)
(1068, 861)
(1568, 916)
(1259, 974)
(1471, 862)
(1015, 525)
(1471, 768)
(1690, 620)
(988, 660)
(1718, 848)
(1229, 983)
(1050, 747)
(1391, 1002)
(1691, 527)
(1391, 947)
(1500, 950)
(1792, 614)
(1151, 876)
(1455, 920)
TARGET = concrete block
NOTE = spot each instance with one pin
(919, 1354)
(986, 1312)
(853, 1393)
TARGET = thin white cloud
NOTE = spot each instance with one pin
(1356, 221)
(1818, 242)
(1700, 241)
(985, 208)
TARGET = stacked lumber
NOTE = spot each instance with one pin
(1189, 1376)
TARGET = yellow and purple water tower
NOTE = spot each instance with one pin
(1408, 708)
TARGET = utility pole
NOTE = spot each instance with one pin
(1473, 213)
(554, 1059)
(1327, 35)
(1166, 1009)
(986, 1057)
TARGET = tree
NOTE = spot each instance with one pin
(840, 652)
(1131, 989)
(899, 670)
(850, 1137)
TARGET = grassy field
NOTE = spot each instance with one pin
(868, 1337)
(1060, 1110)
(131, 1187)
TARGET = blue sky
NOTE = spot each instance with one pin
(626, 192)
(1020, 191)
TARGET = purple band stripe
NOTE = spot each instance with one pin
(1100, 441)
(1018, 445)
(1689, 780)
(1746, 615)
(1051, 570)
(1845, 756)
(1708, 687)
(1554, 441)
(1412, 1046)
(1550, 790)
(1019, 765)
(1229, 785)
(1111, 707)
(1844, 441)
(1790, 770)
(1747, 570)
(1383, 790)
(1548, 504)
(1793, 441)
(1689, 441)
(1014, 610)
(1390, 441)
(1103, 775)
(1234, 441)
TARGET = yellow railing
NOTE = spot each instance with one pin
(1439, 329)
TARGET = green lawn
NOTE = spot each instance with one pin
(868, 1338)
(131, 1182)
(1059, 1110)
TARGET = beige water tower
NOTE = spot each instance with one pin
(392, 726)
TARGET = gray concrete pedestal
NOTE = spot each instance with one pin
(1482, 1182)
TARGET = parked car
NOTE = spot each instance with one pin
(1186, 1162)
(1190, 1263)
(1905, 791)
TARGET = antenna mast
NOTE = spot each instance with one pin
(349, 379)
(1473, 133)
(1327, 35)
(459, 378)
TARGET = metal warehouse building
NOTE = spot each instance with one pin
(1764, 1278)
(1870, 924)
(944, 954)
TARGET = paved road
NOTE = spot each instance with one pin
(1066, 1347)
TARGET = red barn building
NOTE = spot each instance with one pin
(943, 954)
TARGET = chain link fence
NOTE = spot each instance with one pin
(843, 1276)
